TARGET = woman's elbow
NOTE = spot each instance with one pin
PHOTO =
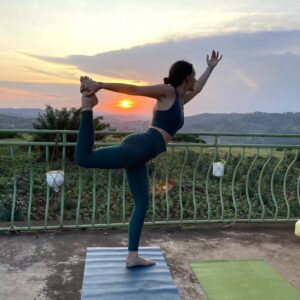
(134, 90)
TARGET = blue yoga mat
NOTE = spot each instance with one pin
(106, 277)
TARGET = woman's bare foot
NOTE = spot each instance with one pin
(88, 86)
(138, 261)
(89, 102)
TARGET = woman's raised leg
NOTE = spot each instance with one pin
(111, 157)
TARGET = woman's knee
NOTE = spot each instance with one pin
(82, 161)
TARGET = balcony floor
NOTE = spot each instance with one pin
(50, 265)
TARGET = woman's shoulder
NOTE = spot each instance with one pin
(169, 93)
(166, 102)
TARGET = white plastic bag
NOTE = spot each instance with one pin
(55, 179)
(218, 169)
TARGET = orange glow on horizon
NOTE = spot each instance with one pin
(121, 105)
(125, 103)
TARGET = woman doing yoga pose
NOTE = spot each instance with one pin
(137, 149)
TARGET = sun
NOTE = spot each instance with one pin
(125, 104)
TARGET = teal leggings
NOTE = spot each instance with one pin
(132, 154)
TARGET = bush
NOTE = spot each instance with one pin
(9, 135)
(64, 119)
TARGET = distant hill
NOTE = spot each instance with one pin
(15, 122)
(21, 118)
(257, 122)
(33, 113)
(21, 112)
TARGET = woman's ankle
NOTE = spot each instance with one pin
(87, 108)
(132, 254)
(88, 102)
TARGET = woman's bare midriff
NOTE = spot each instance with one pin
(167, 137)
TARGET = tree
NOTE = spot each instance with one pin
(64, 119)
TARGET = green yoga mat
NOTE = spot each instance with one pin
(242, 279)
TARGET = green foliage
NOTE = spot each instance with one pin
(9, 135)
(233, 199)
(64, 119)
(7, 198)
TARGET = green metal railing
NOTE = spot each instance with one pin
(261, 183)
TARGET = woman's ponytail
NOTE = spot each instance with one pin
(166, 80)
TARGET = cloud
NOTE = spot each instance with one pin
(17, 94)
(60, 74)
(20, 93)
(149, 60)
(250, 82)
(257, 72)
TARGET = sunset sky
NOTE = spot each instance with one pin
(46, 45)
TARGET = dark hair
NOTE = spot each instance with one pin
(178, 72)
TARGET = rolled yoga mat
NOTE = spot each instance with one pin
(106, 277)
(242, 279)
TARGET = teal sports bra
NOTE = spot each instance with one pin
(171, 120)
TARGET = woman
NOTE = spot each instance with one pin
(136, 149)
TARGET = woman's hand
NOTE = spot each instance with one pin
(213, 61)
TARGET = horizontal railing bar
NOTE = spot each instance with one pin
(218, 134)
(111, 225)
(176, 145)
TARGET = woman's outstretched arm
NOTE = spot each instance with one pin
(158, 91)
(154, 91)
(211, 64)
